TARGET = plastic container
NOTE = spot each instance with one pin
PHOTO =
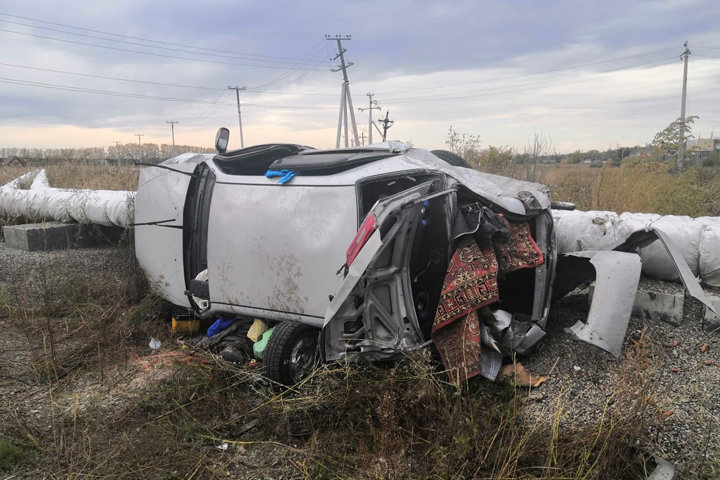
(185, 325)
(259, 346)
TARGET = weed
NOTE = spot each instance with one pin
(11, 455)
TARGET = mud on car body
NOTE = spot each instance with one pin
(352, 242)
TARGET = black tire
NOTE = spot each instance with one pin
(291, 352)
(452, 158)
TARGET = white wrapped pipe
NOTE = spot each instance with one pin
(698, 239)
(42, 203)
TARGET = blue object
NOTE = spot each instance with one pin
(286, 175)
(219, 325)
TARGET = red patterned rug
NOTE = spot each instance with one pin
(520, 251)
(470, 284)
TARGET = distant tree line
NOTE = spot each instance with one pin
(121, 154)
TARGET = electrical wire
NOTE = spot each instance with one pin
(147, 46)
(147, 53)
(152, 83)
(210, 111)
(549, 82)
(146, 97)
(705, 56)
(465, 97)
(291, 69)
(534, 73)
(145, 39)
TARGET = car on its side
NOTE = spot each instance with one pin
(346, 249)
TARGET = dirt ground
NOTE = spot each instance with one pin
(82, 395)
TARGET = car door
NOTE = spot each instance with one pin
(372, 314)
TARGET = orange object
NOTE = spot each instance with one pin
(675, 370)
(709, 362)
(672, 345)
(668, 413)
(704, 347)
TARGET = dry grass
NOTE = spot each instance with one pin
(8, 174)
(646, 187)
(95, 403)
(81, 175)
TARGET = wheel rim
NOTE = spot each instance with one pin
(302, 357)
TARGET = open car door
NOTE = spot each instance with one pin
(372, 313)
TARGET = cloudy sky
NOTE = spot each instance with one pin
(589, 74)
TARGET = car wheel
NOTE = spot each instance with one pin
(291, 353)
(452, 158)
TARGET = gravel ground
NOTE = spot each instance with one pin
(33, 279)
(682, 420)
(683, 415)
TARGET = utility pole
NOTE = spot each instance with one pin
(386, 125)
(681, 150)
(362, 137)
(140, 143)
(172, 127)
(237, 95)
(370, 109)
(345, 97)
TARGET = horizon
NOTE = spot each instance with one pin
(587, 75)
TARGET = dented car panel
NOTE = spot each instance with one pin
(370, 316)
(643, 238)
(616, 280)
(358, 243)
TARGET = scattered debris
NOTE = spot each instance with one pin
(522, 378)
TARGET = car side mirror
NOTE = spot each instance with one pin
(221, 139)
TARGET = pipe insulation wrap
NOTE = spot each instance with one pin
(43, 203)
(697, 238)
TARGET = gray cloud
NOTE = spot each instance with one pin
(408, 52)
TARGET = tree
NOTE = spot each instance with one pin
(539, 145)
(668, 142)
(465, 145)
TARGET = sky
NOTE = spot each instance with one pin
(587, 74)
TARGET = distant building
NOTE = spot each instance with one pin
(14, 160)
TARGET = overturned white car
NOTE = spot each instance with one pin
(372, 252)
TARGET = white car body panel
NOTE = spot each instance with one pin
(280, 247)
(160, 245)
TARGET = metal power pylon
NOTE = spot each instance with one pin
(345, 97)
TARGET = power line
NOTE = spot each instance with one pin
(706, 56)
(553, 84)
(148, 53)
(145, 97)
(293, 68)
(537, 73)
(144, 45)
(198, 87)
(209, 112)
(144, 39)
